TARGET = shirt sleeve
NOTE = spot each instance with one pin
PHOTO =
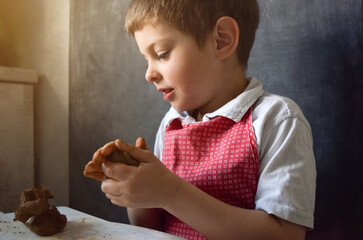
(287, 179)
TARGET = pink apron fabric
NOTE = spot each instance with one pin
(219, 156)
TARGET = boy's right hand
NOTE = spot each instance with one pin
(149, 185)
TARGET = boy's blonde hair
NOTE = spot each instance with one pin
(197, 18)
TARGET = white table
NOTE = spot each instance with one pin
(81, 226)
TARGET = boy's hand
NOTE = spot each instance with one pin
(93, 169)
(147, 186)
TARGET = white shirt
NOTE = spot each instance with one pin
(287, 181)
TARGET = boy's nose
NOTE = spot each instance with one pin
(152, 75)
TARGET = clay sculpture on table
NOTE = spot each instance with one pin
(37, 214)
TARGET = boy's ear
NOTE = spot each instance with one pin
(226, 34)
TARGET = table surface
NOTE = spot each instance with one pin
(81, 226)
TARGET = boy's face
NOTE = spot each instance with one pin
(183, 72)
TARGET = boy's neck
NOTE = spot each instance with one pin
(236, 83)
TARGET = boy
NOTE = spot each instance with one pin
(231, 162)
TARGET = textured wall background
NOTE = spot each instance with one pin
(311, 51)
(35, 35)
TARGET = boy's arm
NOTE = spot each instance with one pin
(218, 220)
(152, 185)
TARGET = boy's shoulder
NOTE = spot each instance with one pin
(272, 109)
(277, 104)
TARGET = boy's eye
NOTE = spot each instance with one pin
(163, 55)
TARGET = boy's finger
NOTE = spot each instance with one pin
(135, 152)
(108, 187)
(97, 157)
(95, 164)
(108, 148)
(141, 143)
(95, 175)
(117, 171)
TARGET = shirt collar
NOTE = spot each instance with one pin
(234, 109)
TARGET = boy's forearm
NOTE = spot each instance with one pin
(146, 217)
(218, 220)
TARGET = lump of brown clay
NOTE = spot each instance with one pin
(93, 169)
(36, 213)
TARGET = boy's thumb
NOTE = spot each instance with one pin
(141, 143)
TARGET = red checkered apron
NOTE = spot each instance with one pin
(219, 156)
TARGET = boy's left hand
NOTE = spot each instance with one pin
(147, 186)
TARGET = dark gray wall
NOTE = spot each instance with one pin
(109, 96)
(311, 51)
(308, 50)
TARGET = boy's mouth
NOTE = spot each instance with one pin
(167, 92)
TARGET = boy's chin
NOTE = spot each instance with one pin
(180, 108)
(189, 107)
